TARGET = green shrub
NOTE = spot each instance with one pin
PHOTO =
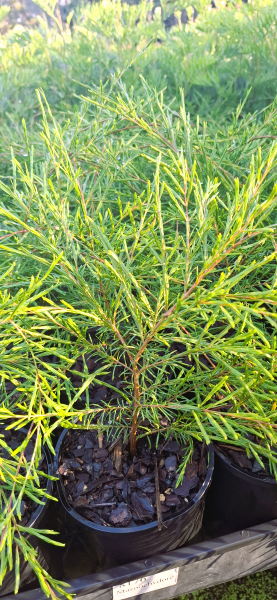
(173, 261)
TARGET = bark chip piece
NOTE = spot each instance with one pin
(80, 501)
(170, 463)
(120, 516)
(143, 507)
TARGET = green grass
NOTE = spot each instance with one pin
(260, 586)
(215, 59)
(224, 57)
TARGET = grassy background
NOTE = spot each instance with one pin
(261, 586)
(224, 57)
(216, 59)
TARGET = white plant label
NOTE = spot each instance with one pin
(145, 584)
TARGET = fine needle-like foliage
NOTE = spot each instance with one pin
(179, 282)
(19, 480)
(24, 378)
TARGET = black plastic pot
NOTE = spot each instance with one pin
(241, 500)
(38, 517)
(117, 546)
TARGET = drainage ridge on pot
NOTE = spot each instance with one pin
(118, 545)
(26, 573)
(239, 499)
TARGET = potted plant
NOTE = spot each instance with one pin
(26, 489)
(26, 451)
(161, 297)
(171, 303)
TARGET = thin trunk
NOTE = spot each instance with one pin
(134, 426)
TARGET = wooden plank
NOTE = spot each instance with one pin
(202, 565)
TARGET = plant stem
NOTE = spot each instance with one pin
(135, 412)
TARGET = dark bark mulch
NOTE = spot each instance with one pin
(240, 460)
(109, 487)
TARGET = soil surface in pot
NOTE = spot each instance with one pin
(109, 487)
(13, 440)
(240, 460)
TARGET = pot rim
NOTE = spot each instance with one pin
(126, 530)
(240, 473)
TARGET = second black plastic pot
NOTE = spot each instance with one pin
(238, 499)
(38, 518)
(125, 544)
